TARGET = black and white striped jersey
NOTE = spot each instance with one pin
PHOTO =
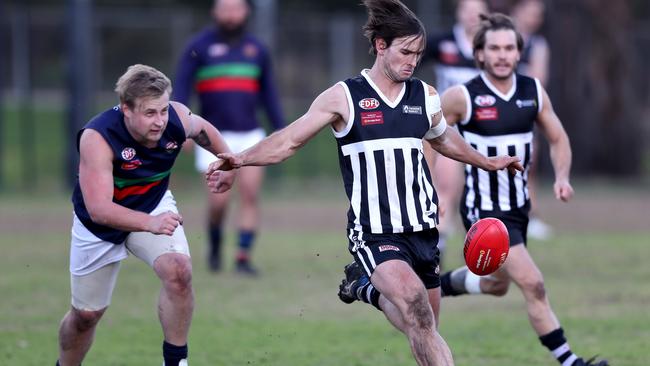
(384, 172)
(499, 124)
(453, 56)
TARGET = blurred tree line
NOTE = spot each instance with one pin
(599, 85)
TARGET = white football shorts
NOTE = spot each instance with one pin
(94, 263)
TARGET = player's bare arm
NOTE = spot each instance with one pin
(450, 144)
(454, 105)
(208, 137)
(200, 130)
(560, 148)
(96, 182)
(328, 109)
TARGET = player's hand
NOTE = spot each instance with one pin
(226, 161)
(220, 181)
(164, 223)
(501, 162)
(563, 190)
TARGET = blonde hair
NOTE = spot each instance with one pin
(141, 81)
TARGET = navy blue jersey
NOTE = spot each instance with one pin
(453, 57)
(140, 174)
(532, 42)
(499, 124)
(384, 172)
(231, 79)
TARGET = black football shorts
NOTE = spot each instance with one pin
(418, 249)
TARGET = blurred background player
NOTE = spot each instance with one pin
(454, 64)
(495, 112)
(528, 16)
(122, 205)
(231, 73)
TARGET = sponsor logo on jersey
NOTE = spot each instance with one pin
(449, 53)
(218, 49)
(485, 100)
(526, 103)
(250, 50)
(131, 165)
(385, 247)
(369, 103)
(171, 146)
(486, 114)
(412, 109)
(128, 153)
(372, 118)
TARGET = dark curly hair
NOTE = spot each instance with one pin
(390, 19)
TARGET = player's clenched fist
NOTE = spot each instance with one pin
(165, 223)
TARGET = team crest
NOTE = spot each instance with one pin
(485, 100)
(250, 50)
(369, 103)
(128, 153)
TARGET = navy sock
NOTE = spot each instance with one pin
(559, 347)
(173, 354)
(215, 238)
(246, 239)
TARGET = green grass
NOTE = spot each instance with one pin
(597, 283)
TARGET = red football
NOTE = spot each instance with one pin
(486, 246)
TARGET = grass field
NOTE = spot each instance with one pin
(597, 281)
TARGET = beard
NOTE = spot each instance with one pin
(232, 32)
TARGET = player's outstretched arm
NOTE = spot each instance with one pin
(327, 109)
(560, 148)
(96, 182)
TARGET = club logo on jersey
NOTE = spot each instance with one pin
(250, 50)
(412, 109)
(171, 146)
(526, 103)
(385, 247)
(128, 153)
(372, 118)
(369, 103)
(131, 165)
(485, 100)
(487, 114)
(357, 243)
(217, 49)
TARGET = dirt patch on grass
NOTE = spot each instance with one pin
(601, 209)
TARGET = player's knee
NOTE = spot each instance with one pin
(177, 273)
(536, 289)
(84, 320)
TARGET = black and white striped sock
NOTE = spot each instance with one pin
(369, 294)
(559, 347)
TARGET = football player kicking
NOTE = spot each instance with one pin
(495, 112)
